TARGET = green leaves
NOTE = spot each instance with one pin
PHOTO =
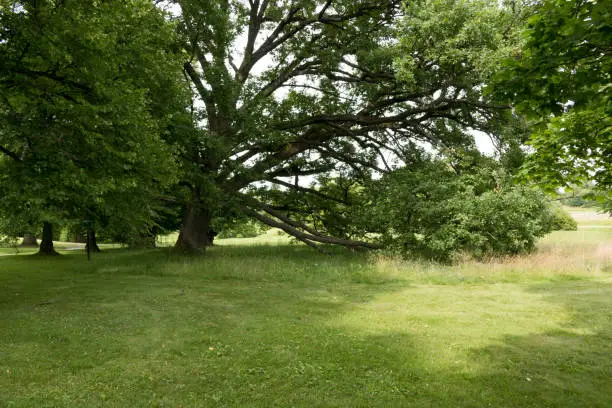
(560, 80)
(463, 37)
(88, 90)
(434, 213)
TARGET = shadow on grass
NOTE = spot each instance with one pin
(259, 327)
(86, 334)
(567, 367)
(570, 366)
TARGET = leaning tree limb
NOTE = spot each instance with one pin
(295, 232)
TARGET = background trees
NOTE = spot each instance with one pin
(88, 94)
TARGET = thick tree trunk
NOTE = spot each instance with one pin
(29, 240)
(94, 243)
(46, 245)
(194, 235)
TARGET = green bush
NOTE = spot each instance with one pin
(562, 221)
(242, 229)
(437, 214)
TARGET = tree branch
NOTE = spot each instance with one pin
(299, 234)
(10, 154)
(308, 190)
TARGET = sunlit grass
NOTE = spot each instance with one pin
(590, 217)
(271, 237)
(281, 325)
(582, 253)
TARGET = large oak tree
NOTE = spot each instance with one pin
(328, 89)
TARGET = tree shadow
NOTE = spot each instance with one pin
(567, 367)
(121, 335)
(90, 338)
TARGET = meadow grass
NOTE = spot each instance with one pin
(264, 325)
(590, 217)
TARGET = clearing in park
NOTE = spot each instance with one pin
(259, 323)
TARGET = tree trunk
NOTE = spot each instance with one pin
(29, 240)
(211, 236)
(46, 245)
(77, 234)
(94, 243)
(194, 235)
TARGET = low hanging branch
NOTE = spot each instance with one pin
(270, 222)
(10, 154)
(288, 220)
(301, 235)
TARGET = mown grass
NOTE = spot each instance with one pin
(281, 325)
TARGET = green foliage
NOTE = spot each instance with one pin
(560, 80)
(584, 195)
(562, 220)
(245, 228)
(435, 213)
(340, 91)
(89, 92)
(468, 38)
(8, 241)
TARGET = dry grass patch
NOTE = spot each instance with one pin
(584, 253)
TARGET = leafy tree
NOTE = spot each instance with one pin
(436, 212)
(335, 89)
(89, 94)
(560, 80)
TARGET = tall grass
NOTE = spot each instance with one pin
(560, 255)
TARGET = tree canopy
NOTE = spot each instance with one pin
(326, 89)
(301, 111)
(560, 80)
(87, 92)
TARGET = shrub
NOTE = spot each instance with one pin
(562, 221)
(435, 213)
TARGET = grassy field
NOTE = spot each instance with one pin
(590, 217)
(278, 325)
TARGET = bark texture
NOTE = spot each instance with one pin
(194, 235)
(94, 243)
(46, 245)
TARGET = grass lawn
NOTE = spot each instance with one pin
(590, 217)
(281, 326)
